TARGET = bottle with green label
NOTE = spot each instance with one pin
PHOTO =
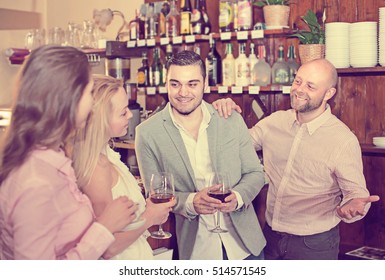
(280, 69)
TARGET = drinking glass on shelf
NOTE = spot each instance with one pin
(221, 191)
(161, 190)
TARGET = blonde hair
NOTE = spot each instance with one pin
(93, 138)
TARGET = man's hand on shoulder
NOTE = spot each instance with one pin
(225, 106)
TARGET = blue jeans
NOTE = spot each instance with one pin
(285, 246)
(261, 256)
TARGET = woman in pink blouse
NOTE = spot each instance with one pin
(43, 215)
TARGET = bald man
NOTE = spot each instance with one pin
(314, 165)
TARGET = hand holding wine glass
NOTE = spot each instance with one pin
(219, 189)
(161, 190)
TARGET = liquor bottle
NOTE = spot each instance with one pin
(162, 19)
(244, 15)
(151, 22)
(166, 59)
(280, 69)
(293, 65)
(172, 21)
(133, 27)
(262, 70)
(252, 60)
(185, 17)
(142, 26)
(226, 18)
(156, 69)
(206, 18)
(142, 73)
(197, 20)
(228, 67)
(213, 65)
(235, 15)
(242, 67)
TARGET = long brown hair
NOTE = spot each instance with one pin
(49, 88)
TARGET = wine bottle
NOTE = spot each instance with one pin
(156, 69)
(252, 61)
(197, 21)
(162, 19)
(293, 65)
(166, 59)
(280, 69)
(142, 73)
(206, 18)
(185, 17)
(244, 15)
(242, 67)
(262, 69)
(172, 21)
(228, 67)
(133, 27)
(213, 65)
(151, 22)
(226, 16)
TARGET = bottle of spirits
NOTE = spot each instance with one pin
(151, 22)
(142, 26)
(185, 17)
(197, 20)
(133, 27)
(245, 15)
(262, 70)
(252, 60)
(166, 59)
(293, 65)
(228, 67)
(142, 74)
(280, 69)
(156, 69)
(162, 19)
(226, 16)
(242, 67)
(213, 65)
(172, 21)
(205, 15)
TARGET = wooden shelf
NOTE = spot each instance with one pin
(359, 71)
(371, 149)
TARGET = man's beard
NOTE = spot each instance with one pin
(309, 106)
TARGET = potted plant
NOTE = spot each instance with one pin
(312, 40)
(275, 12)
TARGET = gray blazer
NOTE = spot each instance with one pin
(159, 147)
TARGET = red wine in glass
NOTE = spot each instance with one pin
(219, 195)
(161, 197)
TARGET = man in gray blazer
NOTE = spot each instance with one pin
(190, 140)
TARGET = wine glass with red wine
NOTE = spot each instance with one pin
(161, 190)
(221, 190)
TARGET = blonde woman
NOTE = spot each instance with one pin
(103, 176)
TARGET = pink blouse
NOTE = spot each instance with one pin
(43, 215)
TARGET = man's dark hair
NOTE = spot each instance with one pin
(186, 58)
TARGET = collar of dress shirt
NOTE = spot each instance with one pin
(313, 125)
(205, 111)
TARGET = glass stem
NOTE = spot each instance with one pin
(160, 230)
